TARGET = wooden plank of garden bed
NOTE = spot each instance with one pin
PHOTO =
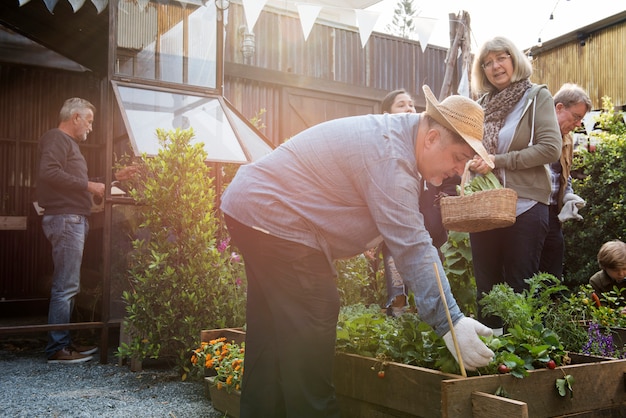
(231, 334)
(410, 390)
(485, 405)
(605, 380)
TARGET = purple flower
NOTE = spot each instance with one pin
(235, 258)
(223, 245)
(598, 343)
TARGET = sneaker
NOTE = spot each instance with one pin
(69, 356)
(84, 349)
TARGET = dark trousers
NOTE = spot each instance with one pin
(553, 247)
(291, 325)
(508, 255)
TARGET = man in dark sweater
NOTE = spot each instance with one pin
(65, 193)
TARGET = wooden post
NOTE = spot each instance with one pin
(459, 25)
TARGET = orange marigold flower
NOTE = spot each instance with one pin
(229, 380)
(219, 385)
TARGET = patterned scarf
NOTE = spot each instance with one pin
(497, 107)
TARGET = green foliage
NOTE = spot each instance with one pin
(460, 271)
(366, 331)
(564, 385)
(528, 344)
(402, 23)
(182, 279)
(526, 308)
(604, 190)
(361, 280)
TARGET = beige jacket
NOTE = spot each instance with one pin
(536, 143)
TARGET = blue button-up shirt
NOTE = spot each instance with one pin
(340, 187)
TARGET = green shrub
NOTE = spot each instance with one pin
(460, 271)
(604, 190)
(361, 280)
(183, 279)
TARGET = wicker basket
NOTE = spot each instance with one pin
(479, 211)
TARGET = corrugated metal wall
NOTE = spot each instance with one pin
(599, 66)
(331, 60)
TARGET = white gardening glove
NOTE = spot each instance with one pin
(571, 203)
(474, 352)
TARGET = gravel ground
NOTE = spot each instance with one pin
(30, 387)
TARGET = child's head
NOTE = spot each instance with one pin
(612, 259)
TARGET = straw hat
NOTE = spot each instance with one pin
(462, 116)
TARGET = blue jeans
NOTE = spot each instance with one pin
(66, 234)
(508, 255)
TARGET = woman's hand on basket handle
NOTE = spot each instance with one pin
(478, 165)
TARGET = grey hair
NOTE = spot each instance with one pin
(73, 106)
(570, 95)
(522, 67)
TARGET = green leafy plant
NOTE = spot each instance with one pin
(564, 385)
(603, 187)
(361, 280)
(366, 331)
(528, 344)
(460, 271)
(182, 278)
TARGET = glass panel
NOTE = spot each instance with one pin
(146, 110)
(255, 145)
(174, 42)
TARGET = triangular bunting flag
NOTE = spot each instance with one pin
(252, 10)
(463, 89)
(366, 21)
(51, 4)
(425, 27)
(100, 5)
(308, 13)
(76, 4)
(23, 2)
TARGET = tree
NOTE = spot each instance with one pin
(403, 24)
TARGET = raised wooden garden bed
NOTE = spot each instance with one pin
(407, 391)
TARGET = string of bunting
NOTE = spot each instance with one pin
(308, 13)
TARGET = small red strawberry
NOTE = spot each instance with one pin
(551, 364)
(381, 374)
(502, 368)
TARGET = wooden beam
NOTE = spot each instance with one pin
(281, 78)
(13, 223)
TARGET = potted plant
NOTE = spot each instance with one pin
(222, 361)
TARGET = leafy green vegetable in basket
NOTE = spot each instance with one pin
(480, 183)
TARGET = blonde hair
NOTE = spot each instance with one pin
(612, 255)
(521, 64)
